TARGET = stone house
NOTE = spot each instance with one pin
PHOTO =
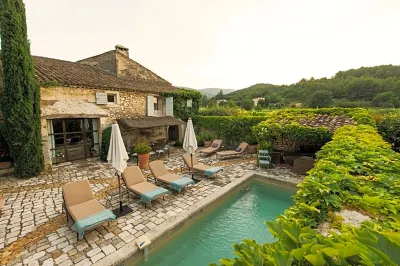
(79, 99)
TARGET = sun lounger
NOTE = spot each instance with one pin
(237, 152)
(207, 170)
(135, 183)
(215, 146)
(80, 204)
(161, 174)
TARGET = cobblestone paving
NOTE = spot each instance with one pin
(33, 231)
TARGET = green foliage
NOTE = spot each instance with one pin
(285, 124)
(20, 97)
(265, 145)
(357, 169)
(200, 141)
(387, 99)
(105, 143)
(142, 148)
(207, 136)
(247, 104)
(389, 128)
(231, 129)
(181, 110)
(320, 99)
(352, 88)
(178, 143)
(221, 111)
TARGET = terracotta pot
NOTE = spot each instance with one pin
(207, 143)
(144, 160)
(5, 165)
(252, 149)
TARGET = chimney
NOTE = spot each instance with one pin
(122, 49)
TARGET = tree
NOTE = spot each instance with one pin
(386, 100)
(364, 88)
(219, 96)
(247, 104)
(320, 99)
(204, 101)
(20, 98)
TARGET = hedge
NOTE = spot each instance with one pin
(274, 129)
(356, 169)
(231, 129)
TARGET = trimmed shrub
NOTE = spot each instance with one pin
(221, 111)
(356, 169)
(231, 129)
(142, 148)
(105, 143)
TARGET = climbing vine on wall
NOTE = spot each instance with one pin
(181, 96)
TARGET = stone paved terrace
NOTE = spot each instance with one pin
(33, 231)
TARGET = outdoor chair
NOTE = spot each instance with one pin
(161, 174)
(207, 170)
(136, 184)
(215, 146)
(239, 151)
(79, 204)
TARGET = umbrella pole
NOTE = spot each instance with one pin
(119, 191)
(191, 160)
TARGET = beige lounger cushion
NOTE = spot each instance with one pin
(187, 160)
(201, 167)
(157, 168)
(226, 153)
(168, 178)
(132, 175)
(211, 149)
(142, 187)
(85, 209)
(77, 192)
(242, 145)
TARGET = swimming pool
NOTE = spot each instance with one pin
(211, 236)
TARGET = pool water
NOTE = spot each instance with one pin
(211, 236)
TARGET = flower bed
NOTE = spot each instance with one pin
(356, 170)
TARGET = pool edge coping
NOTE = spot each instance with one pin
(172, 223)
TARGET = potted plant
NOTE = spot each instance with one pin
(207, 139)
(200, 141)
(143, 152)
(252, 141)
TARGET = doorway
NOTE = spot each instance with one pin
(73, 139)
(173, 133)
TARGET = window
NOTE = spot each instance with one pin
(157, 104)
(111, 98)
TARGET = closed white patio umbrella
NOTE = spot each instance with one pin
(190, 141)
(117, 157)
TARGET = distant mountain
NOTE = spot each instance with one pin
(211, 92)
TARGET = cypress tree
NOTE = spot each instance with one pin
(20, 97)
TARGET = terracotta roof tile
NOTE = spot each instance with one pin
(73, 74)
(331, 122)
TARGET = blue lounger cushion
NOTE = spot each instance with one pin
(148, 196)
(212, 170)
(81, 225)
(180, 183)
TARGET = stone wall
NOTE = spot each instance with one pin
(131, 104)
(132, 136)
(286, 145)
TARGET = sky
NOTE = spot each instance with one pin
(228, 44)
